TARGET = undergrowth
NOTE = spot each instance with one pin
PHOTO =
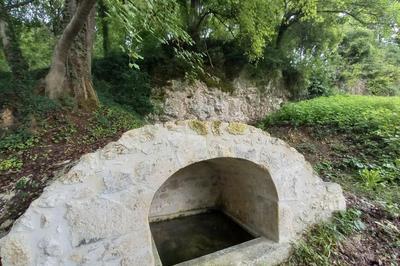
(320, 242)
(354, 141)
(370, 158)
(41, 122)
(47, 135)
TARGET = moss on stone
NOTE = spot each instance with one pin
(237, 128)
(215, 127)
(199, 127)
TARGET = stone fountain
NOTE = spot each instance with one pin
(99, 213)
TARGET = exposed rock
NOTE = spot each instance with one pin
(98, 212)
(7, 119)
(247, 103)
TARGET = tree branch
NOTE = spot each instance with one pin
(201, 18)
(287, 21)
(346, 13)
(219, 17)
(74, 26)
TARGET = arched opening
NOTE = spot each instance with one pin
(222, 194)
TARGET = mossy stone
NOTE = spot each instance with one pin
(198, 126)
(215, 127)
(235, 128)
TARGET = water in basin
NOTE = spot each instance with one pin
(189, 237)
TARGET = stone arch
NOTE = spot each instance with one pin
(240, 188)
(98, 212)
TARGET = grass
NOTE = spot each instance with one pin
(344, 112)
(320, 242)
(354, 141)
(368, 158)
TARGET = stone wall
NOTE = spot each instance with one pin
(193, 188)
(249, 195)
(247, 102)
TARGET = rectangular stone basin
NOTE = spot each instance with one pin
(186, 238)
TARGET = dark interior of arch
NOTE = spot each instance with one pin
(226, 199)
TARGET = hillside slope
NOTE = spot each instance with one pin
(354, 141)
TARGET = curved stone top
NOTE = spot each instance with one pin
(97, 213)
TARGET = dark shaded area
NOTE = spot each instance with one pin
(115, 81)
(190, 237)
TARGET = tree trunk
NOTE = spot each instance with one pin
(10, 45)
(70, 72)
(195, 20)
(289, 19)
(279, 38)
(104, 27)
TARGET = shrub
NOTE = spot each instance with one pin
(115, 80)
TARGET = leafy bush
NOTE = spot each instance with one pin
(368, 126)
(375, 121)
(115, 80)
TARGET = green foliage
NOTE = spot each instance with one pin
(22, 183)
(369, 65)
(109, 120)
(368, 161)
(257, 21)
(320, 79)
(125, 86)
(376, 119)
(65, 132)
(12, 163)
(343, 112)
(312, 47)
(160, 18)
(320, 242)
(370, 178)
(37, 45)
(18, 141)
(3, 63)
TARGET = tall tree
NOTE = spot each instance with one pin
(70, 71)
(105, 28)
(9, 41)
(378, 13)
